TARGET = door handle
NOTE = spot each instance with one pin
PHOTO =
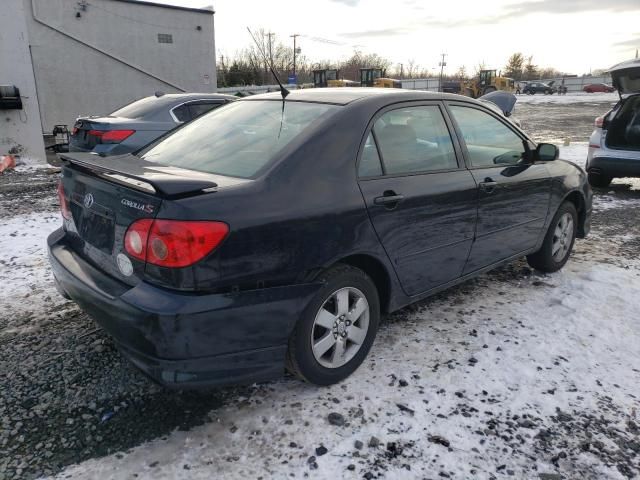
(488, 185)
(389, 199)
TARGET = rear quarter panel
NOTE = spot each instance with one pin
(566, 178)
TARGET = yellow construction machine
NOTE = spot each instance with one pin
(374, 77)
(321, 78)
(488, 81)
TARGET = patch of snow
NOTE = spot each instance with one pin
(25, 276)
(575, 152)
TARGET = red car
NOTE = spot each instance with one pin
(597, 87)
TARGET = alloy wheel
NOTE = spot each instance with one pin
(562, 237)
(340, 327)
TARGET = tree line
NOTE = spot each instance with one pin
(249, 66)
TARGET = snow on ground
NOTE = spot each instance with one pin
(25, 275)
(570, 98)
(527, 355)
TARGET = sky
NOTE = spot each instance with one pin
(574, 36)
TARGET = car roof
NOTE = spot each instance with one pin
(635, 63)
(346, 95)
(170, 98)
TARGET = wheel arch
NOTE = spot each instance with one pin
(577, 198)
(378, 273)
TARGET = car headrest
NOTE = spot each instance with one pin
(396, 135)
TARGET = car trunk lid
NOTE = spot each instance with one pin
(105, 195)
(625, 77)
(89, 131)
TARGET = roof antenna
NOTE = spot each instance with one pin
(283, 91)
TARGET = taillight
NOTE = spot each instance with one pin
(135, 240)
(64, 205)
(599, 122)
(111, 136)
(173, 243)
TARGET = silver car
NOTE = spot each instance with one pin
(614, 146)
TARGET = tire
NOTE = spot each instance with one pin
(598, 180)
(353, 336)
(488, 90)
(558, 241)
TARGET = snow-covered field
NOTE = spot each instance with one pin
(513, 374)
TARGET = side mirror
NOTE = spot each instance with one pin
(547, 152)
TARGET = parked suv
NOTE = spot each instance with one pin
(532, 88)
(614, 146)
(135, 125)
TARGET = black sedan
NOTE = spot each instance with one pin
(139, 123)
(532, 88)
(272, 234)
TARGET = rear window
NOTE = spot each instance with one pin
(237, 139)
(138, 109)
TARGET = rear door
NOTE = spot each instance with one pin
(420, 198)
(513, 194)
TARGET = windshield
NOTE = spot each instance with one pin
(237, 139)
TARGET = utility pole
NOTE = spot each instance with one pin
(442, 65)
(270, 35)
(224, 83)
(295, 50)
(401, 71)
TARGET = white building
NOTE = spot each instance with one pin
(84, 57)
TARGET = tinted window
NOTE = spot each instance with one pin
(182, 113)
(489, 141)
(197, 109)
(138, 109)
(238, 139)
(414, 139)
(370, 161)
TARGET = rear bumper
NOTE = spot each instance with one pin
(614, 166)
(180, 339)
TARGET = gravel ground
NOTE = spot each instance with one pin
(556, 122)
(68, 395)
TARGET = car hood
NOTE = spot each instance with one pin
(625, 76)
(504, 100)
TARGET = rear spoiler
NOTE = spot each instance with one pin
(132, 171)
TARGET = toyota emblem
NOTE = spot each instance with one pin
(88, 200)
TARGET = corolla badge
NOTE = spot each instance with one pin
(88, 200)
(144, 207)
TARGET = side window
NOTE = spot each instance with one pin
(489, 141)
(182, 113)
(414, 139)
(197, 109)
(370, 161)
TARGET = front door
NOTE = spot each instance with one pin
(513, 194)
(422, 202)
